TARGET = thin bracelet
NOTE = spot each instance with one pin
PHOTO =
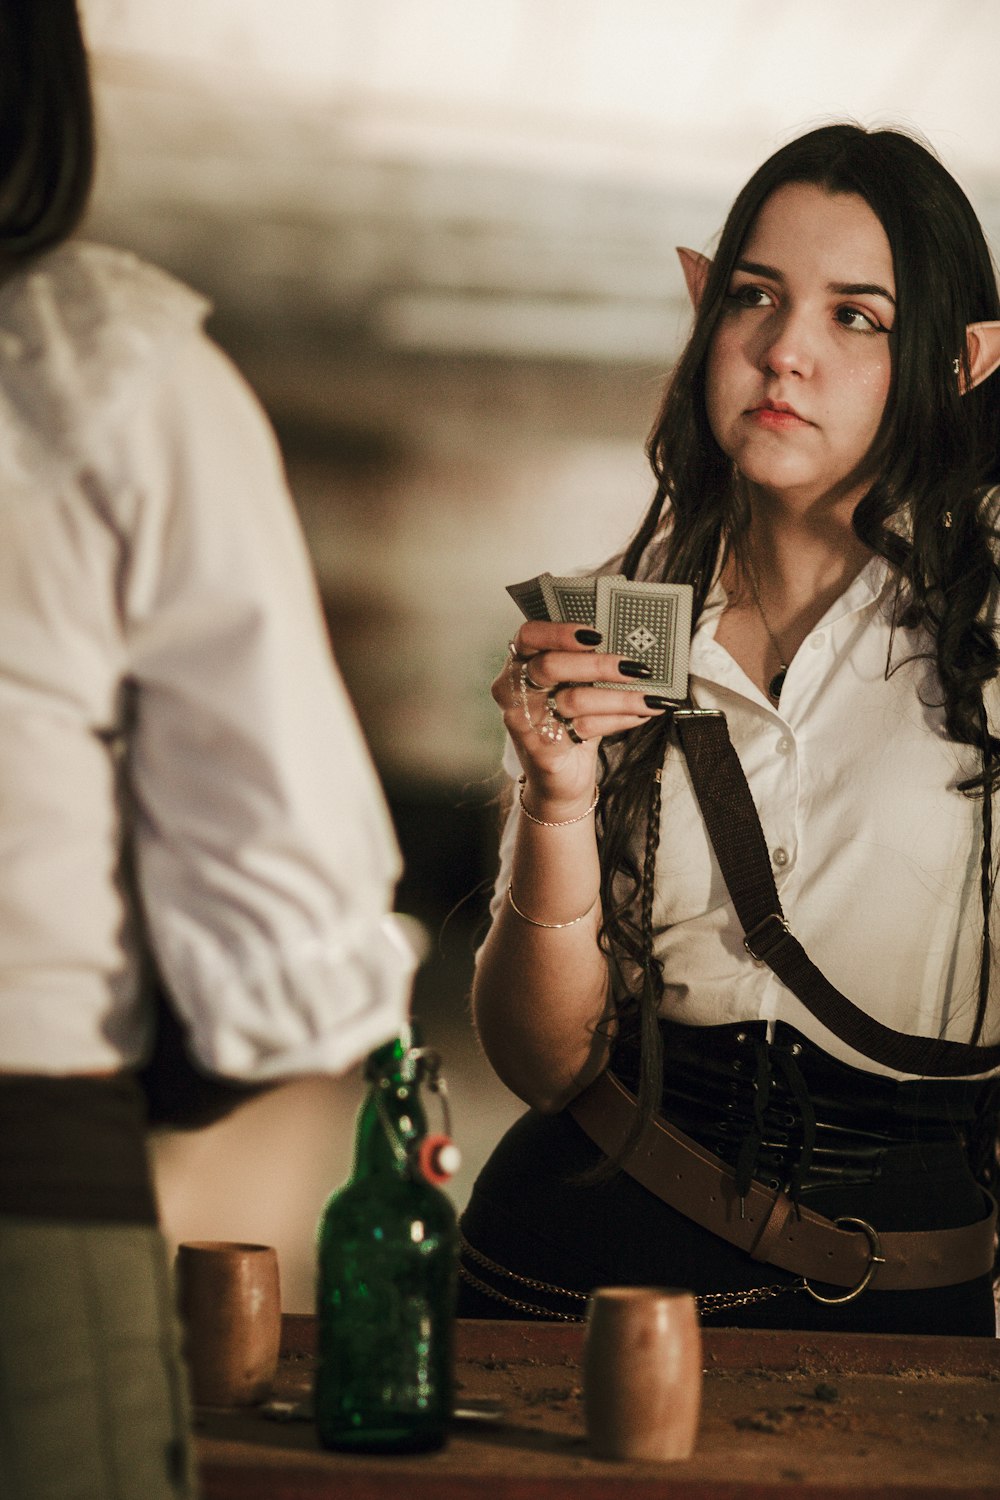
(564, 822)
(571, 923)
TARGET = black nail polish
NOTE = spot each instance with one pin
(589, 637)
(655, 700)
(634, 669)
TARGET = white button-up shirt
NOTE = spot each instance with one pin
(875, 854)
(164, 667)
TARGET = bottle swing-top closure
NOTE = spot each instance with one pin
(433, 1156)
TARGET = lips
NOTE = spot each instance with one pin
(776, 414)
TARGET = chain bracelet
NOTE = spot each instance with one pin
(563, 822)
(707, 1303)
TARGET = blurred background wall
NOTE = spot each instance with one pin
(438, 236)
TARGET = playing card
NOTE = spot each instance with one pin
(531, 598)
(575, 598)
(651, 623)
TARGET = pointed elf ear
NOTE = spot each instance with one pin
(982, 343)
(696, 268)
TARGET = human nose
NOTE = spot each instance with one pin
(787, 346)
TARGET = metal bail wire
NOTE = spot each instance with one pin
(425, 1063)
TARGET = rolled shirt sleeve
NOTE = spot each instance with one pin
(264, 853)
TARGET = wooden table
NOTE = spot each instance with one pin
(828, 1417)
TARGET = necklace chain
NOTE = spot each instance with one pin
(777, 682)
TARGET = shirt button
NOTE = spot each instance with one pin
(779, 857)
(817, 641)
(784, 745)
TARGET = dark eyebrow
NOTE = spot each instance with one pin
(861, 289)
(842, 288)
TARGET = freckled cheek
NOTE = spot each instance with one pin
(872, 385)
(874, 380)
(870, 377)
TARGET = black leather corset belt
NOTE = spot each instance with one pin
(783, 1111)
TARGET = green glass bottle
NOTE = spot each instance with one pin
(388, 1256)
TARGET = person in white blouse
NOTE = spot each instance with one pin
(799, 1152)
(183, 779)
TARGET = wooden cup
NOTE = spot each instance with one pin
(642, 1373)
(229, 1301)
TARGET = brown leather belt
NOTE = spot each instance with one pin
(766, 1224)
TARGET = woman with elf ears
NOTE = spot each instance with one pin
(740, 962)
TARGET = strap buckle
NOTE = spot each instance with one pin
(698, 713)
(762, 951)
(875, 1259)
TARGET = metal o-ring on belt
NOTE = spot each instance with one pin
(766, 1224)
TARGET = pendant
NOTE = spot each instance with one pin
(777, 683)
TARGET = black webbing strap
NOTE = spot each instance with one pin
(738, 840)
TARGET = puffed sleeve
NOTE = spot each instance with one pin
(264, 852)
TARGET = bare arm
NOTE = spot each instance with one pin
(541, 988)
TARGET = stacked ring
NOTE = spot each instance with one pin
(567, 724)
(551, 727)
(553, 723)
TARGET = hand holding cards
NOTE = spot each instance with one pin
(647, 622)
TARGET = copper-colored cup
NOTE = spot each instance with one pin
(642, 1373)
(229, 1301)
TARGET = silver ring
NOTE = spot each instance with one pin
(552, 711)
(551, 726)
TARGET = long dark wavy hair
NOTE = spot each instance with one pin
(46, 126)
(935, 453)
